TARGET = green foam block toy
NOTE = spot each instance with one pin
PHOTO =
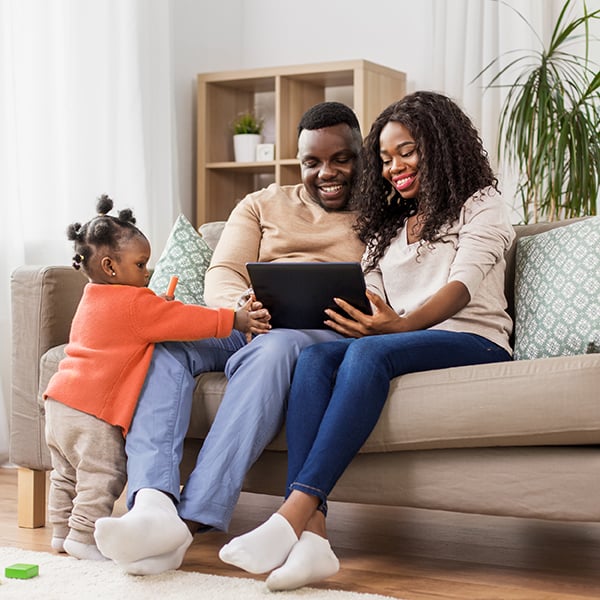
(21, 571)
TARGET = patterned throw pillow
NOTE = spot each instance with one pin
(557, 291)
(186, 255)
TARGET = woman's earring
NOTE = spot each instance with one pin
(113, 273)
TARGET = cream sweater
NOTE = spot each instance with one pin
(471, 251)
(276, 224)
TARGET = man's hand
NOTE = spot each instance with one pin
(245, 296)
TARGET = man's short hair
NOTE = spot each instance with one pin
(328, 114)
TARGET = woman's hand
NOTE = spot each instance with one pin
(445, 303)
(383, 320)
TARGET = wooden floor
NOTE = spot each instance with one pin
(405, 553)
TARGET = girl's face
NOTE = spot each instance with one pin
(398, 152)
(132, 266)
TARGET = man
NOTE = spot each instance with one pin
(307, 222)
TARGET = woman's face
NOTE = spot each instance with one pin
(398, 152)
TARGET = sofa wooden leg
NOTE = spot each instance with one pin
(31, 504)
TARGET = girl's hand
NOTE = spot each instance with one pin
(252, 319)
(383, 320)
(165, 297)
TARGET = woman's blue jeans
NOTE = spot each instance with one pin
(339, 389)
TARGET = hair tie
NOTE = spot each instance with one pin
(77, 260)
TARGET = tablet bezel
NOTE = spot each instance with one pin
(297, 293)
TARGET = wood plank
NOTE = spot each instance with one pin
(31, 498)
(404, 553)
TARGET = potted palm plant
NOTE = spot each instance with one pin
(550, 121)
(247, 130)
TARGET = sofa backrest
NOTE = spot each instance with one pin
(212, 231)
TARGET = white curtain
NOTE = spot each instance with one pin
(85, 109)
(467, 36)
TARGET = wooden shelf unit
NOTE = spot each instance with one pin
(281, 95)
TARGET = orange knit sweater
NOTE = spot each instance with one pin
(111, 343)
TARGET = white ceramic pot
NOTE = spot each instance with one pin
(244, 146)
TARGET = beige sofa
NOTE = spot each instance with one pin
(518, 438)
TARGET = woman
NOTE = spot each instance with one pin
(436, 231)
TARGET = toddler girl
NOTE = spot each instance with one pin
(91, 399)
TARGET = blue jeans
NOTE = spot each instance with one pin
(339, 390)
(250, 415)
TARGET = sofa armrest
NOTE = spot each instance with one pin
(43, 302)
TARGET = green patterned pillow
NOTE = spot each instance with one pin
(186, 255)
(557, 291)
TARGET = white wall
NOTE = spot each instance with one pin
(239, 34)
(401, 34)
(394, 33)
(206, 36)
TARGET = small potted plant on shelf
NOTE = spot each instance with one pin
(247, 130)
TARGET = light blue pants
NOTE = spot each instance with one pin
(250, 415)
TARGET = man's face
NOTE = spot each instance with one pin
(328, 161)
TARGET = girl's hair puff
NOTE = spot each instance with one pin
(103, 231)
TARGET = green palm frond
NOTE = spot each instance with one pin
(549, 121)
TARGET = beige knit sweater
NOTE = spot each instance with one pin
(276, 224)
(472, 252)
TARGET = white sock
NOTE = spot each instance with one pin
(151, 528)
(82, 551)
(310, 560)
(157, 564)
(263, 548)
(58, 544)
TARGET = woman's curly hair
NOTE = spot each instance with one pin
(453, 165)
(103, 231)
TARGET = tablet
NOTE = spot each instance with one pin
(297, 293)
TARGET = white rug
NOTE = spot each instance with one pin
(66, 578)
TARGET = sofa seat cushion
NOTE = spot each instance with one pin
(462, 407)
(485, 405)
(475, 406)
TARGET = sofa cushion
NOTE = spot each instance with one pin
(211, 232)
(557, 287)
(463, 407)
(186, 255)
(522, 231)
